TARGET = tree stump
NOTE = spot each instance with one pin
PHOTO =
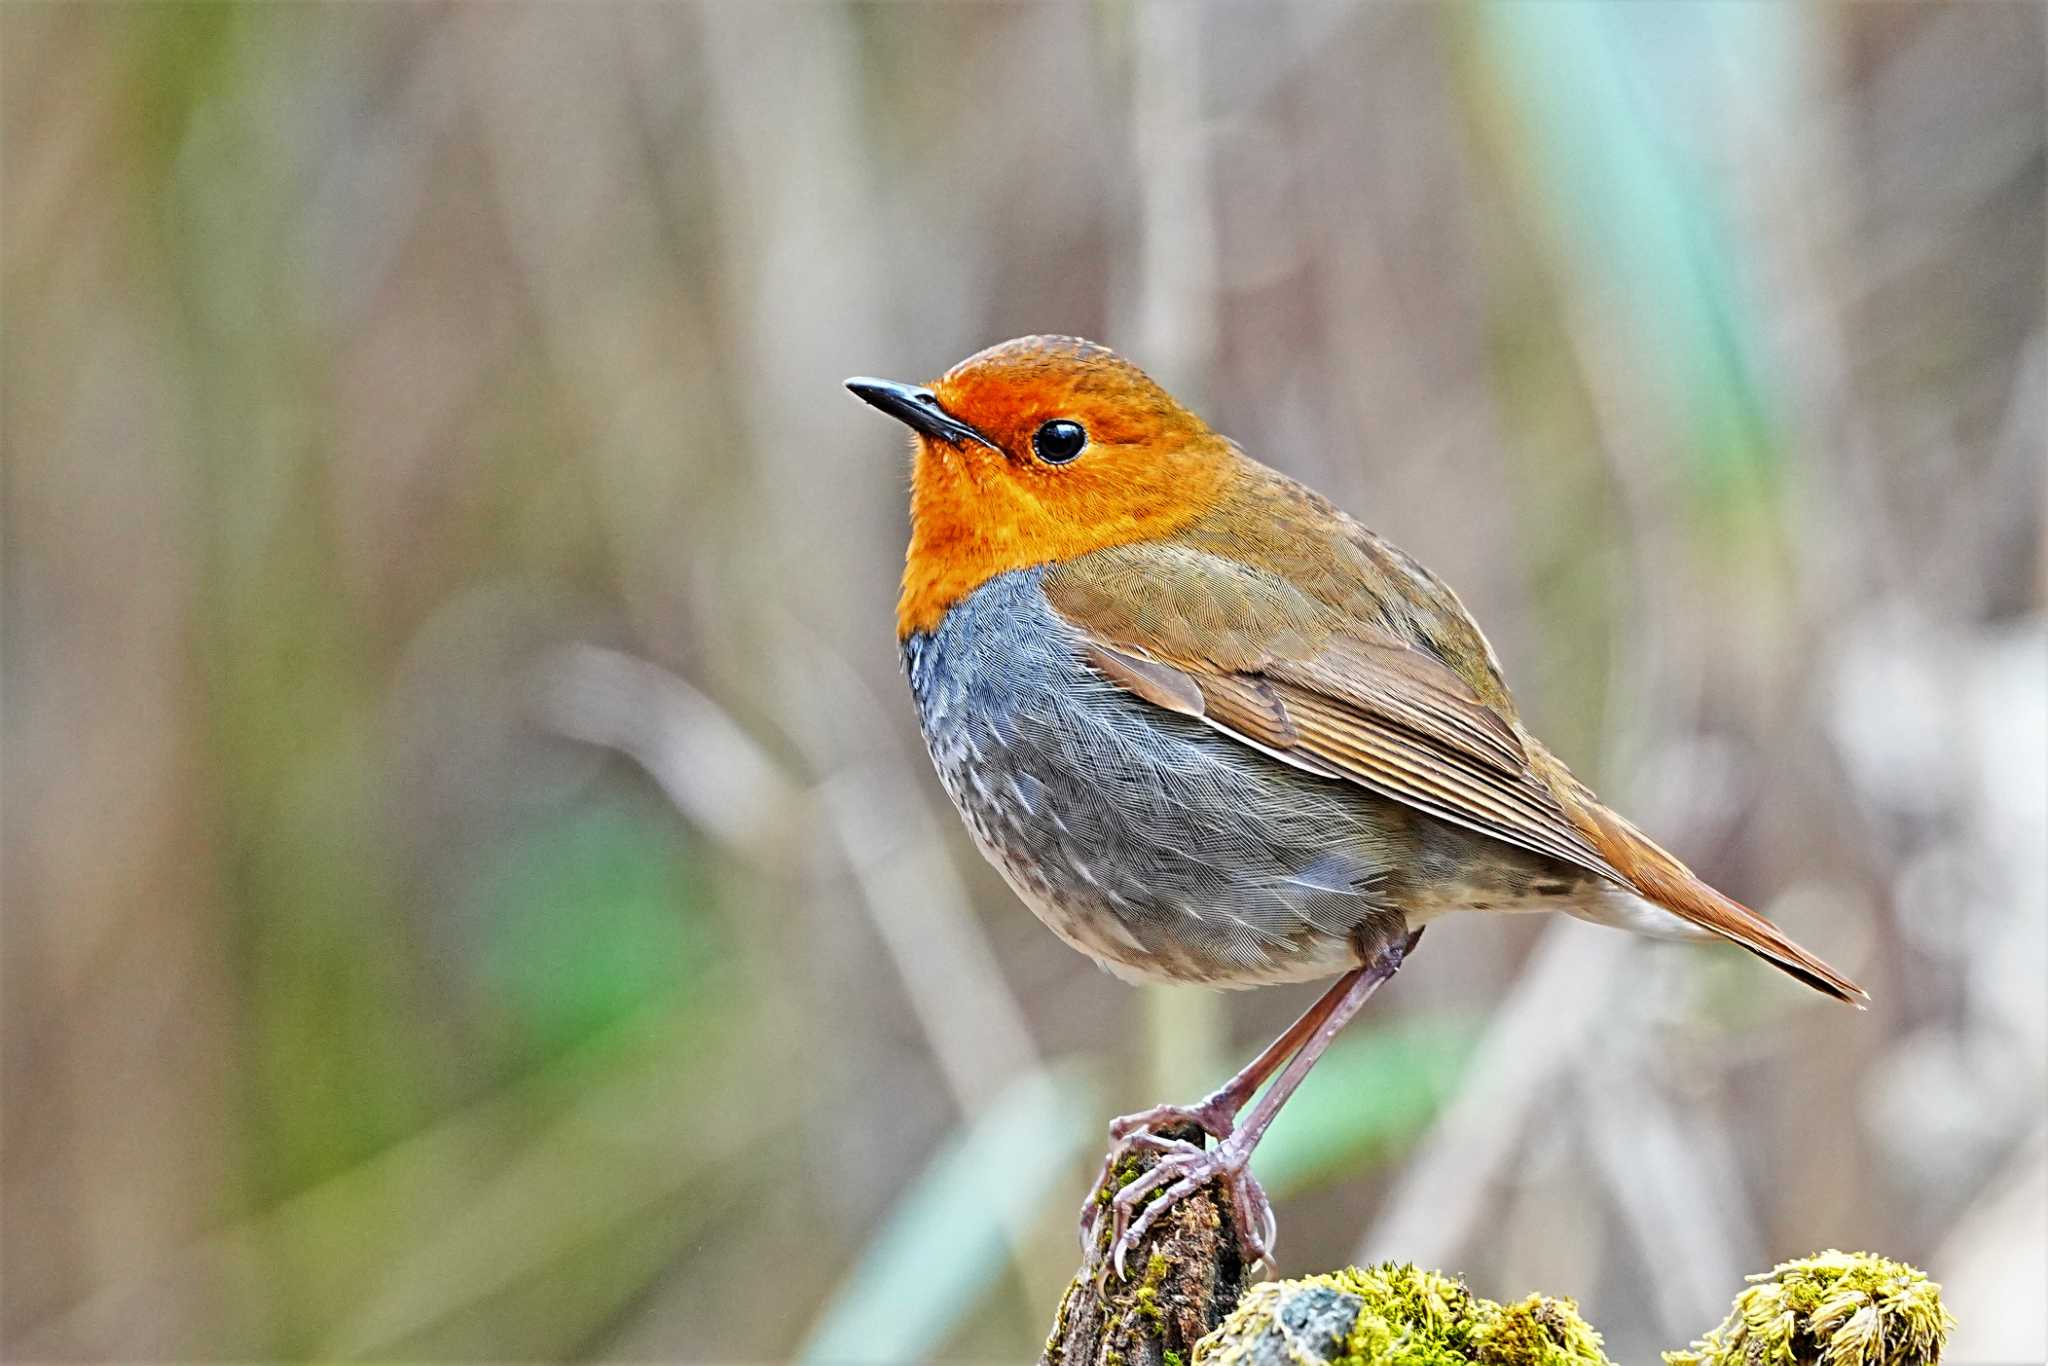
(1186, 1275)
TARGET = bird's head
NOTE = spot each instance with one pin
(1040, 450)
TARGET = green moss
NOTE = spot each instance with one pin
(1536, 1330)
(1173, 1358)
(1122, 1174)
(1146, 1301)
(1410, 1316)
(1399, 1315)
(1126, 1171)
(1833, 1309)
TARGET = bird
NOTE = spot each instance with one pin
(1214, 731)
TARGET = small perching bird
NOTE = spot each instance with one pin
(1212, 730)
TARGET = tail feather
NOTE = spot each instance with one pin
(1670, 884)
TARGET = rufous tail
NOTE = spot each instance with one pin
(1664, 880)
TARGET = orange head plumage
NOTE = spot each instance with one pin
(1036, 451)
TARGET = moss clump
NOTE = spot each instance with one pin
(1833, 1309)
(1397, 1315)
(1538, 1330)
(1127, 1170)
(1146, 1302)
(1407, 1315)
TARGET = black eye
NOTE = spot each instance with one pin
(1059, 441)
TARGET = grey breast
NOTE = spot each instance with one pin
(1146, 839)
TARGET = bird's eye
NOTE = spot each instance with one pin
(1059, 441)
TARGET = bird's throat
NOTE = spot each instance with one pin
(973, 517)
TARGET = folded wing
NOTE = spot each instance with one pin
(1251, 656)
(1316, 686)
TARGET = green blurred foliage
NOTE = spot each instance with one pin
(588, 921)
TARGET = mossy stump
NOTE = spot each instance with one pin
(1186, 1275)
(1189, 1302)
(1396, 1315)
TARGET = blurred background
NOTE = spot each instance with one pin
(473, 886)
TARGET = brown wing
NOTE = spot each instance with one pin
(1305, 678)
(1261, 661)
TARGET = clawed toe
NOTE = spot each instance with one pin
(1140, 1132)
(1211, 1117)
(1248, 1202)
(1183, 1169)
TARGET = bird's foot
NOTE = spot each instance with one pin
(1182, 1169)
(1215, 1116)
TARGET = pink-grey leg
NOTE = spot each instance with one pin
(1185, 1168)
(1216, 1113)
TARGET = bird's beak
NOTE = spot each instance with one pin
(918, 408)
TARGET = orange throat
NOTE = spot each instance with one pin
(973, 516)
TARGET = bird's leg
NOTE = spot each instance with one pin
(1185, 1169)
(1216, 1113)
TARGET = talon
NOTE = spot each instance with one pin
(1182, 1170)
(1248, 1198)
(1121, 1205)
(1213, 1116)
(1173, 1195)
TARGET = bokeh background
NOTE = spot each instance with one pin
(473, 887)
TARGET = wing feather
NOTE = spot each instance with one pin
(1515, 807)
(1343, 701)
(1398, 694)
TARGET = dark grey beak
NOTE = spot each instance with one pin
(918, 408)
